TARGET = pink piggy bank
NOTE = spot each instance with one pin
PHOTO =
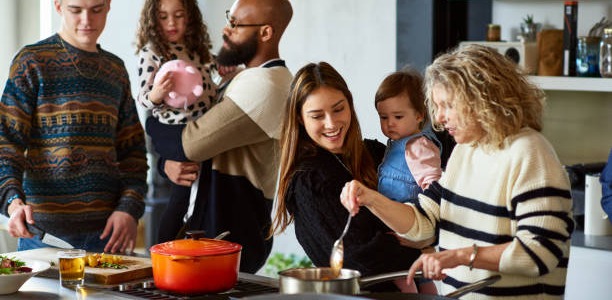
(187, 83)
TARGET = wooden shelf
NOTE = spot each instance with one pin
(583, 84)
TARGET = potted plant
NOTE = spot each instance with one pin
(529, 29)
(279, 262)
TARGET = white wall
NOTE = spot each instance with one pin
(356, 37)
(8, 39)
(20, 23)
(119, 36)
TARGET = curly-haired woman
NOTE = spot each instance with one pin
(503, 205)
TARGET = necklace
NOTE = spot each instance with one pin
(340, 161)
(75, 65)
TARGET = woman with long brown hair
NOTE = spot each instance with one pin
(322, 149)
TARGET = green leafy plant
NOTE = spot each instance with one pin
(528, 19)
(279, 261)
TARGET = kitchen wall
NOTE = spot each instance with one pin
(19, 20)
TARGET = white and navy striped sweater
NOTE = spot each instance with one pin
(520, 194)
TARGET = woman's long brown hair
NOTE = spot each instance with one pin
(197, 40)
(295, 144)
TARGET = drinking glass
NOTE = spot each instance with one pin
(72, 267)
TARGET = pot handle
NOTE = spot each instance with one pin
(474, 286)
(370, 280)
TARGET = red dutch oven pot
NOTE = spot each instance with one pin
(196, 265)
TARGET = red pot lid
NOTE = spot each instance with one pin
(191, 247)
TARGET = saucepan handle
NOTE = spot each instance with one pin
(370, 280)
(474, 286)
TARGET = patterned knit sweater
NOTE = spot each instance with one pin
(70, 140)
(520, 195)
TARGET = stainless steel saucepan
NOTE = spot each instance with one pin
(350, 282)
(323, 280)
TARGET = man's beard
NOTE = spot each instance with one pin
(237, 54)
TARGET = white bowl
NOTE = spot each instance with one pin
(12, 283)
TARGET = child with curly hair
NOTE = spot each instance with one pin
(170, 30)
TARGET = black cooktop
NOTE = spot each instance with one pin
(247, 285)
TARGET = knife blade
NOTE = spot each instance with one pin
(48, 238)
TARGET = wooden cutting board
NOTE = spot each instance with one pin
(138, 267)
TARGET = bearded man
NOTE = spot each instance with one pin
(236, 139)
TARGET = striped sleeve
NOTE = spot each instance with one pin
(541, 207)
(427, 214)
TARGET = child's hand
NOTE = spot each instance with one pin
(161, 89)
(224, 70)
(227, 73)
(182, 173)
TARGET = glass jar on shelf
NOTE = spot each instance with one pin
(587, 56)
(605, 53)
(493, 33)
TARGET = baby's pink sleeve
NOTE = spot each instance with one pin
(423, 159)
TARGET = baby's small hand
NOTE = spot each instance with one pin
(224, 70)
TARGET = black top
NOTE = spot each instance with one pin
(313, 197)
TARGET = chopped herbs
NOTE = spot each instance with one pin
(12, 266)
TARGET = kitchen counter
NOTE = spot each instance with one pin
(599, 242)
(589, 259)
(589, 264)
(49, 288)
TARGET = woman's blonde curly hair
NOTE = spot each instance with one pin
(488, 90)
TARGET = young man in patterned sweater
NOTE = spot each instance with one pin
(72, 147)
